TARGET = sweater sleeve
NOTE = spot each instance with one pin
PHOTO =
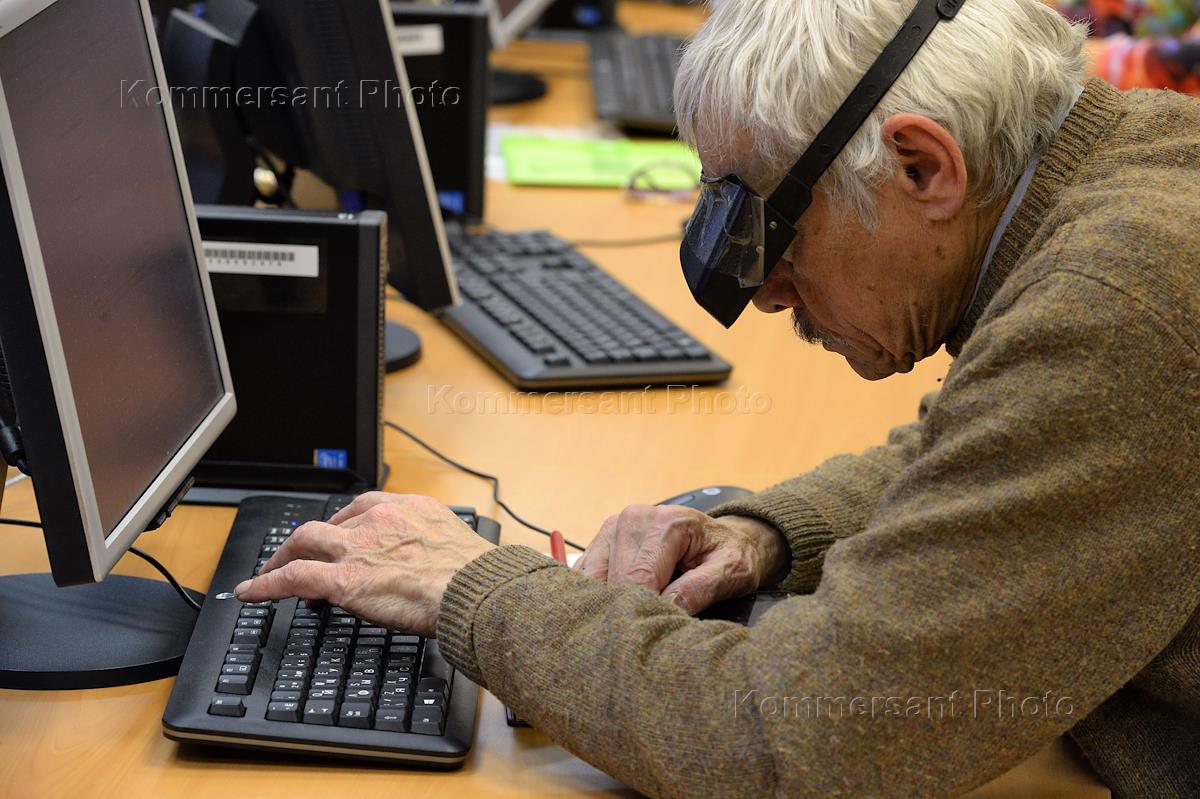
(832, 502)
(1021, 569)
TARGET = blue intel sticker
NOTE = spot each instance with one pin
(331, 459)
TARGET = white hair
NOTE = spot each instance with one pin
(762, 77)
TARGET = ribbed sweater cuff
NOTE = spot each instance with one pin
(468, 589)
(808, 534)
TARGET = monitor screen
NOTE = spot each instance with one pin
(122, 287)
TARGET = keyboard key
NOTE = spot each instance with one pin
(319, 711)
(397, 695)
(234, 684)
(432, 685)
(335, 670)
(254, 613)
(379, 631)
(405, 639)
(358, 694)
(390, 720)
(323, 693)
(285, 711)
(243, 649)
(241, 658)
(237, 668)
(294, 662)
(427, 721)
(355, 714)
(227, 706)
(292, 674)
(285, 696)
(289, 685)
(252, 637)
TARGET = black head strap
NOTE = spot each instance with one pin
(794, 194)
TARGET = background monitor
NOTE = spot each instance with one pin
(108, 330)
(319, 85)
(510, 18)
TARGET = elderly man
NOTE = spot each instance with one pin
(1019, 563)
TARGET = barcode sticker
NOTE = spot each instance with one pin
(255, 258)
(419, 40)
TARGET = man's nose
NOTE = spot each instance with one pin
(777, 293)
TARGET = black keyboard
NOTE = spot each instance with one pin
(547, 318)
(633, 79)
(305, 677)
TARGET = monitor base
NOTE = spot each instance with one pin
(402, 347)
(122, 631)
(510, 87)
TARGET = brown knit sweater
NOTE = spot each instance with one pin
(1019, 563)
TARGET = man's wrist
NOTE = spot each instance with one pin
(772, 554)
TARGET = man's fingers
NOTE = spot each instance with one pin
(309, 541)
(651, 557)
(700, 587)
(307, 579)
(362, 503)
(594, 561)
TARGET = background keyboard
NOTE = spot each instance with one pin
(305, 677)
(547, 317)
(633, 79)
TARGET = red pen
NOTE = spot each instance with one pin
(558, 549)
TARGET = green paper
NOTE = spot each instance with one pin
(603, 163)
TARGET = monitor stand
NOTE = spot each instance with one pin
(121, 631)
(402, 347)
(510, 87)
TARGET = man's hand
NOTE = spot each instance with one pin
(385, 557)
(720, 558)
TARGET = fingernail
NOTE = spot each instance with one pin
(678, 600)
(241, 588)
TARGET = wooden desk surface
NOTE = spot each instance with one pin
(565, 460)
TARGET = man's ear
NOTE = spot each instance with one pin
(931, 169)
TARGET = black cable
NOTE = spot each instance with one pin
(491, 478)
(170, 579)
(193, 604)
(10, 446)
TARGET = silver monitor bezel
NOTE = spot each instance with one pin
(106, 548)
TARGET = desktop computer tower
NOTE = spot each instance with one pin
(445, 50)
(300, 296)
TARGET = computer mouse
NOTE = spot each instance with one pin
(705, 499)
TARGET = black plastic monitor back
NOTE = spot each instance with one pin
(319, 85)
(356, 129)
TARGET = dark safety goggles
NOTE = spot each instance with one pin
(736, 237)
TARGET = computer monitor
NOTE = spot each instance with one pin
(107, 324)
(115, 374)
(320, 85)
(510, 18)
